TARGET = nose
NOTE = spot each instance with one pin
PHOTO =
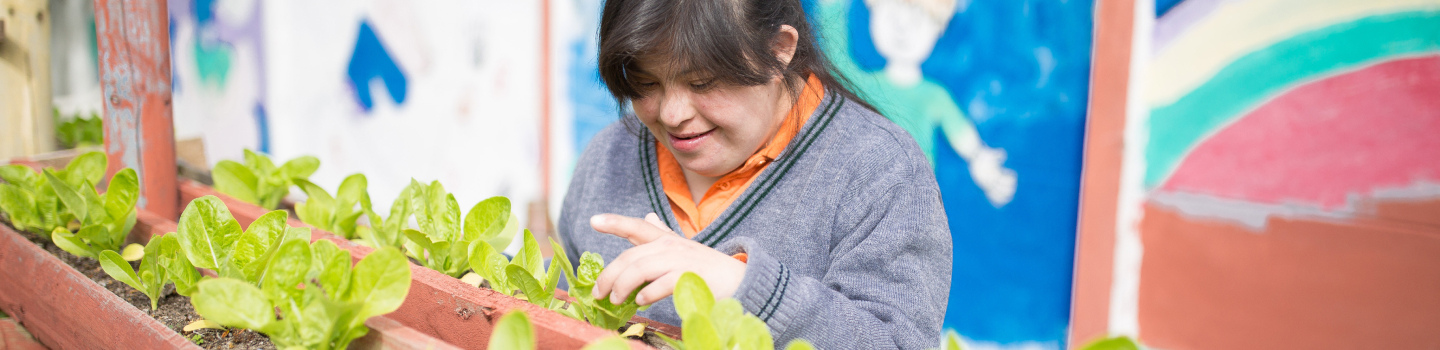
(676, 107)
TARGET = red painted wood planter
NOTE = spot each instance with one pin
(66, 310)
(442, 306)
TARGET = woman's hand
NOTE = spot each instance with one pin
(660, 256)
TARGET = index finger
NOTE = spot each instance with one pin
(635, 230)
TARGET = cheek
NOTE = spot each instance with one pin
(647, 109)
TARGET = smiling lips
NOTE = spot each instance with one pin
(689, 142)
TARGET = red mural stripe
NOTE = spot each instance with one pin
(1322, 142)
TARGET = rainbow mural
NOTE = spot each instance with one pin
(1291, 176)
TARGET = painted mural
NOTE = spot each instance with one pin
(217, 51)
(436, 90)
(995, 93)
(1291, 177)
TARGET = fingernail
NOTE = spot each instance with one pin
(640, 299)
(598, 220)
(595, 294)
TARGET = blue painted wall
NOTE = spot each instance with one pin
(1018, 71)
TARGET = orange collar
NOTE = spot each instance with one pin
(693, 217)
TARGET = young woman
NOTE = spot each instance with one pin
(749, 162)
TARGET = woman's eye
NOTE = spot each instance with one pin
(701, 84)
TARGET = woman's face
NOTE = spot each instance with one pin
(710, 128)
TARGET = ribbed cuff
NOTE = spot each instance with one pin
(765, 288)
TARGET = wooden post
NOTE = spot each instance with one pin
(134, 52)
(26, 121)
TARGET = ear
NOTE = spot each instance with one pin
(784, 43)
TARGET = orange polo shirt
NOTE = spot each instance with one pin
(693, 217)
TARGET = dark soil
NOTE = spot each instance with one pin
(175, 310)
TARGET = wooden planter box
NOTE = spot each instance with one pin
(64, 309)
(442, 306)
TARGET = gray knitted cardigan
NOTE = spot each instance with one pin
(847, 239)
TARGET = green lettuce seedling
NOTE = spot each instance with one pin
(599, 312)
(79, 131)
(442, 243)
(151, 277)
(105, 219)
(513, 331)
(335, 214)
(258, 181)
(709, 324)
(387, 231)
(176, 265)
(31, 204)
(526, 274)
(326, 306)
(210, 238)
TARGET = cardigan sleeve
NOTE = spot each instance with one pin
(886, 285)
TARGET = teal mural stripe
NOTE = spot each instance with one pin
(1244, 85)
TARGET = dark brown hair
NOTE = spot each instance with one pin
(731, 40)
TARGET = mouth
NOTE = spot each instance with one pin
(688, 142)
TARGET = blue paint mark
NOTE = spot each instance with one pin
(1163, 6)
(1020, 72)
(174, 68)
(204, 11)
(369, 61)
(262, 128)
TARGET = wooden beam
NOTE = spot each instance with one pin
(134, 52)
(1100, 177)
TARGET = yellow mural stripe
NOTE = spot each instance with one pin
(1238, 28)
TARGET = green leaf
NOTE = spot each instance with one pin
(19, 205)
(529, 256)
(727, 316)
(257, 244)
(381, 281)
(750, 333)
(448, 222)
(502, 240)
(208, 232)
(177, 267)
(488, 263)
(590, 266)
(119, 269)
(19, 175)
(802, 344)
(614, 342)
(513, 332)
(318, 209)
(562, 259)
(287, 270)
(68, 195)
(351, 190)
(552, 275)
(693, 297)
(487, 219)
(533, 289)
(88, 167)
(260, 163)
(122, 194)
(421, 239)
(71, 242)
(236, 180)
(233, 303)
(300, 167)
(1113, 343)
(333, 264)
(699, 333)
